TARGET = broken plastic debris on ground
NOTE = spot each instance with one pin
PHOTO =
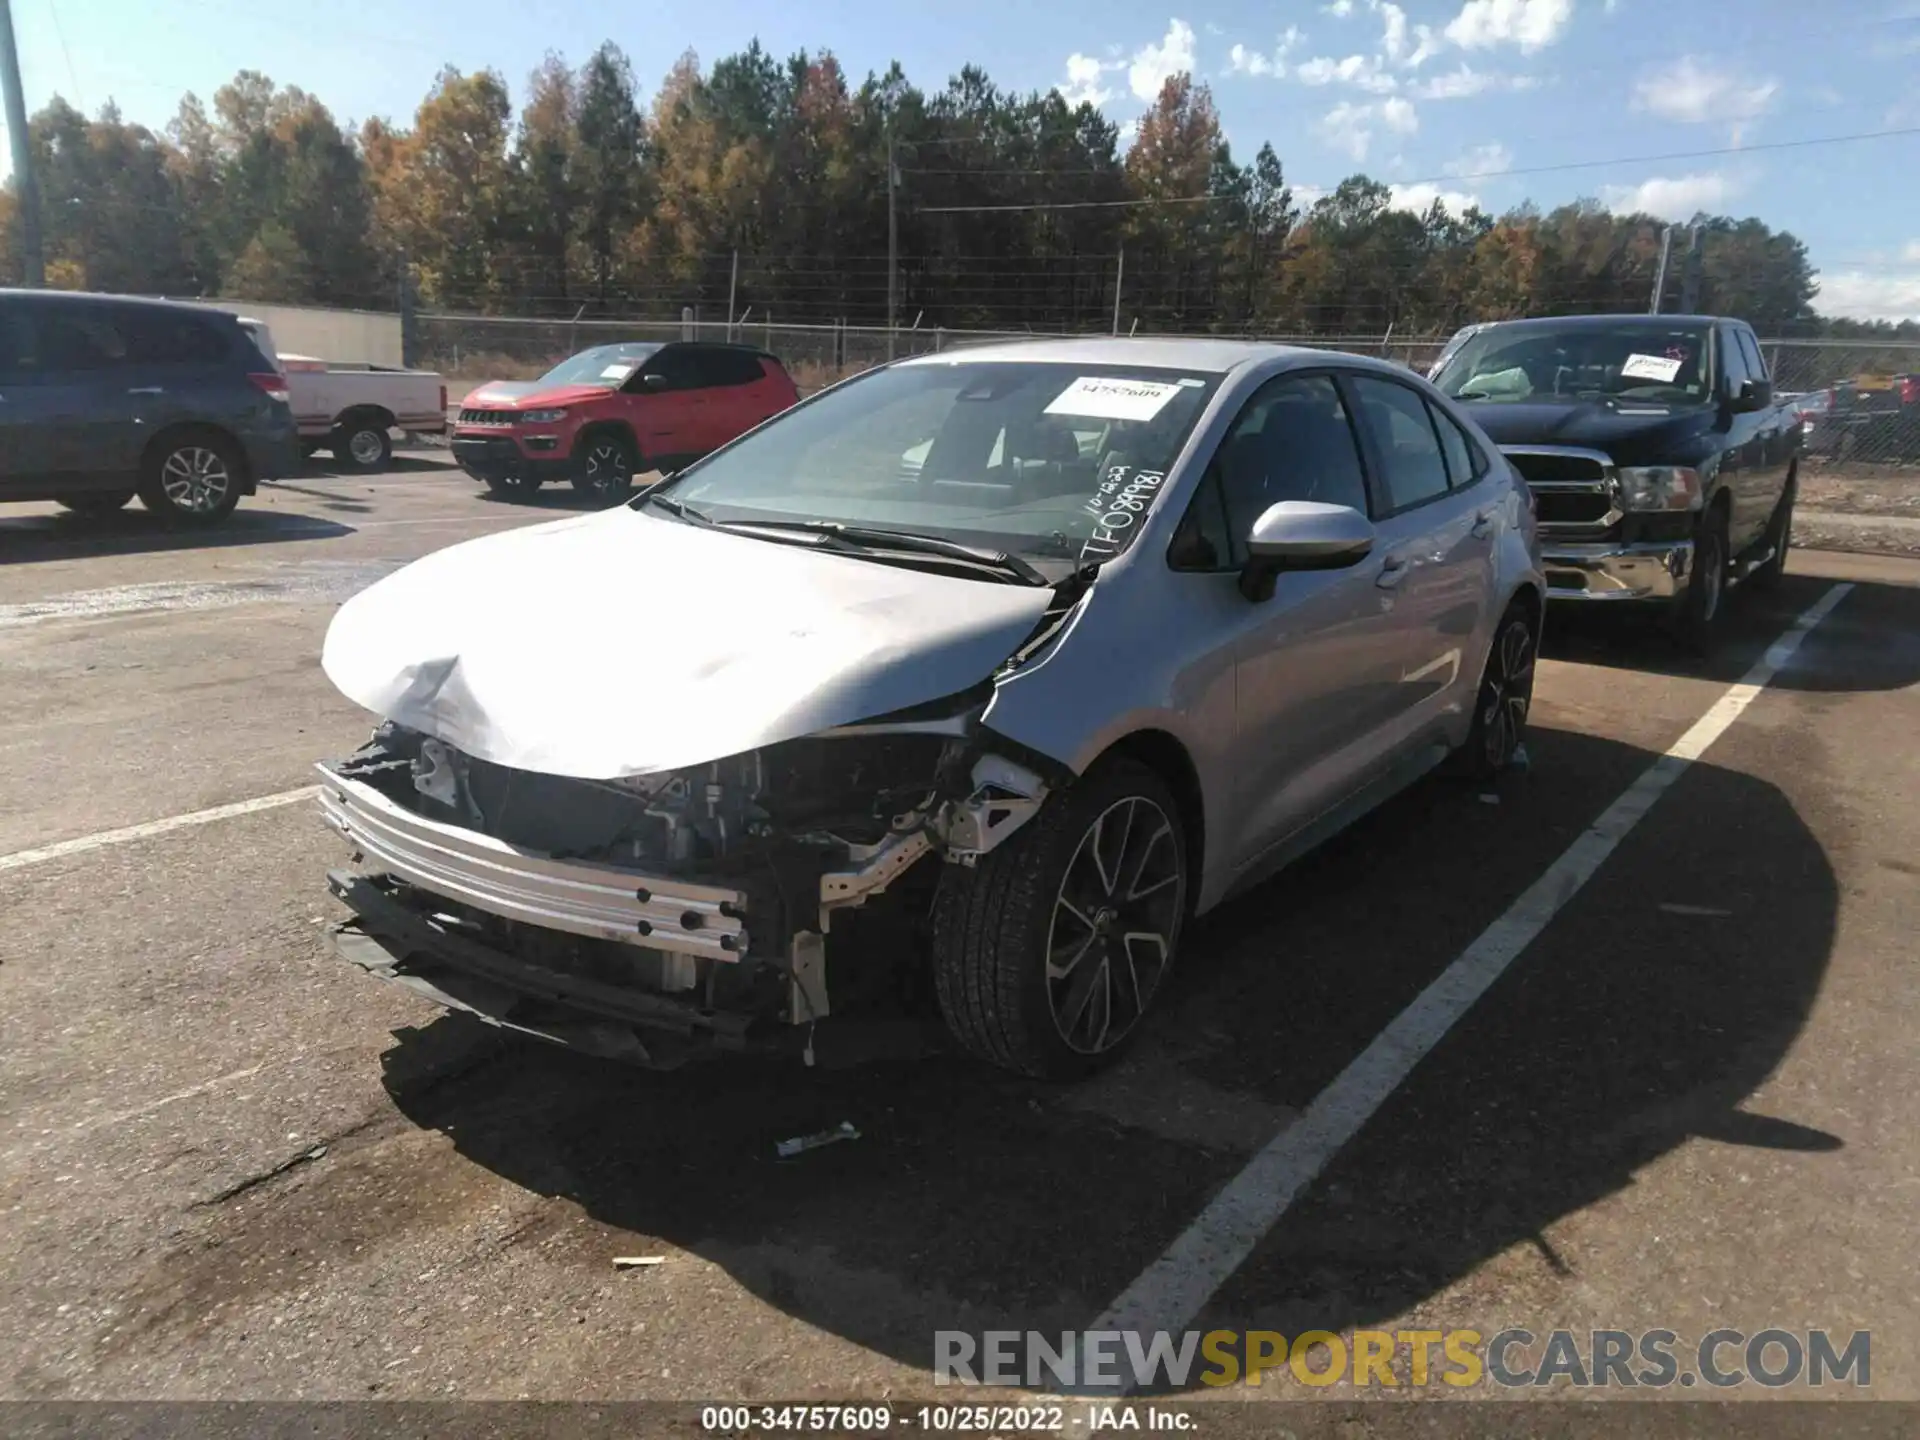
(800, 1144)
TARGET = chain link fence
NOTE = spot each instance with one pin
(1858, 402)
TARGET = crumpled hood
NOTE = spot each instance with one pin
(621, 643)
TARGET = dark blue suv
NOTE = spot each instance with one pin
(103, 398)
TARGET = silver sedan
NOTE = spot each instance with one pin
(976, 676)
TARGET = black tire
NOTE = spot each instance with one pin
(1696, 625)
(361, 443)
(192, 478)
(309, 449)
(1779, 539)
(513, 487)
(1504, 700)
(100, 502)
(604, 466)
(995, 925)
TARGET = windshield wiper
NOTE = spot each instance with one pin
(865, 537)
(677, 508)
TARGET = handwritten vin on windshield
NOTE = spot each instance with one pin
(1116, 506)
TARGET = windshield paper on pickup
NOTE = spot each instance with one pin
(1650, 367)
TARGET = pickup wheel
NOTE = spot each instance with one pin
(1778, 539)
(605, 468)
(361, 442)
(1504, 700)
(1697, 623)
(1049, 951)
(193, 477)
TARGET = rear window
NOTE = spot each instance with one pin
(165, 337)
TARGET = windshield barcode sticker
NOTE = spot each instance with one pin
(1098, 397)
(1650, 367)
(616, 372)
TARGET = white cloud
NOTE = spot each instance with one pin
(1350, 128)
(1691, 93)
(1465, 82)
(1676, 198)
(1154, 65)
(1419, 198)
(1912, 252)
(1242, 61)
(1482, 160)
(1339, 9)
(1529, 24)
(1363, 72)
(1860, 295)
(1083, 81)
(1307, 196)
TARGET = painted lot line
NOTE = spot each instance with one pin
(20, 859)
(1171, 1291)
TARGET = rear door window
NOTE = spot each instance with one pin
(1465, 462)
(15, 353)
(731, 367)
(79, 337)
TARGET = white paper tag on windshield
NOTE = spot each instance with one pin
(616, 372)
(1098, 397)
(1649, 367)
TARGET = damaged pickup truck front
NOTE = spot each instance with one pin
(922, 698)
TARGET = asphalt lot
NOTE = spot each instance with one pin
(232, 1166)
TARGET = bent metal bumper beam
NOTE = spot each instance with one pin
(599, 901)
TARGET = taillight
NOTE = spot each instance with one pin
(273, 386)
(1910, 389)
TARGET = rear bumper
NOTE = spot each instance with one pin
(1608, 572)
(496, 456)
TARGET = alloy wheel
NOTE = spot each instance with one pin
(1116, 918)
(196, 479)
(1507, 693)
(608, 469)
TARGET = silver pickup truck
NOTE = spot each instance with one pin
(1662, 468)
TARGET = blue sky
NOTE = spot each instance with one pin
(1435, 95)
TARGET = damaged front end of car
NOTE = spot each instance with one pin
(726, 906)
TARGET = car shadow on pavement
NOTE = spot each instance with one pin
(1871, 642)
(1645, 1017)
(322, 468)
(134, 531)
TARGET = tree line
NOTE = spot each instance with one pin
(764, 184)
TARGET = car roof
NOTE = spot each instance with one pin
(1202, 355)
(1633, 320)
(89, 297)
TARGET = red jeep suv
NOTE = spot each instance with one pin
(615, 411)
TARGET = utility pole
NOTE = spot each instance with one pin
(1119, 274)
(733, 289)
(409, 319)
(1660, 273)
(893, 241)
(23, 187)
(1690, 277)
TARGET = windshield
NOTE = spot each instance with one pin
(1034, 458)
(1666, 364)
(607, 365)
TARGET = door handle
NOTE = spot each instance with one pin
(147, 390)
(1392, 573)
(1483, 524)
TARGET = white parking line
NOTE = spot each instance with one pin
(20, 859)
(1170, 1292)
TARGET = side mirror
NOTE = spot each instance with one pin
(1754, 395)
(1302, 535)
(652, 380)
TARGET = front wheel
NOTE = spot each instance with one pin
(607, 463)
(194, 480)
(1697, 625)
(1049, 952)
